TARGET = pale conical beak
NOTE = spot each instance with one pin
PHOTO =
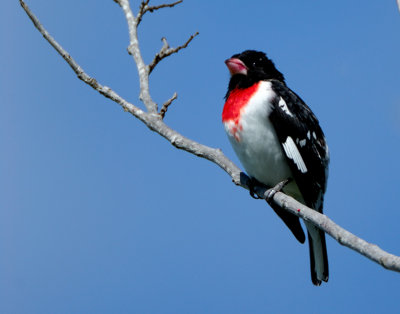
(236, 66)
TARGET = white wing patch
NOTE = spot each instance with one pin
(284, 107)
(292, 152)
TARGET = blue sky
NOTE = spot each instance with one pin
(100, 215)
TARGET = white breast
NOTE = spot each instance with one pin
(256, 143)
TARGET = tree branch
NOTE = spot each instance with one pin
(142, 11)
(134, 51)
(155, 123)
(104, 90)
(161, 6)
(166, 105)
(167, 51)
(145, 8)
(344, 237)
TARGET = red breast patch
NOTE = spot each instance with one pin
(238, 98)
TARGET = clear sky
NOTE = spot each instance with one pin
(100, 215)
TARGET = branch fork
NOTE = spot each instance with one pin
(134, 50)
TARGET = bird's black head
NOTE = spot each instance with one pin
(250, 67)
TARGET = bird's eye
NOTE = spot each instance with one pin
(258, 62)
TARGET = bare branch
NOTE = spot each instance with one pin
(104, 90)
(165, 106)
(155, 123)
(144, 7)
(161, 6)
(167, 51)
(134, 50)
(344, 237)
(142, 11)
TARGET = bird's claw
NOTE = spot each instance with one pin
(253, 195)
(252, 183)
(277, 188)
(270, 195)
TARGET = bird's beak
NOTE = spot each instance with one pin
(236, 66)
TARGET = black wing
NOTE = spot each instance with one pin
(307, 154)
(303, 142)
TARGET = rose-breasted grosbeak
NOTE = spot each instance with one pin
(277, 137)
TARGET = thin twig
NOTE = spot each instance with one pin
(161, 6)
(155, 123)
(142, 11)
(144, 8)
(165, 106)
(166, 51)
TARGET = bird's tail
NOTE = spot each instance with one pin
(318, 254)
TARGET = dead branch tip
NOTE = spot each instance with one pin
(166, 105)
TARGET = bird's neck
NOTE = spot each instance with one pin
(237, 99)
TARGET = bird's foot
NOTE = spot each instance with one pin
(252, 183)
(277, 188)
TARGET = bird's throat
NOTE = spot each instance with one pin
(238, 98)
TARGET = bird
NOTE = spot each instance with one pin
(277, 137)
